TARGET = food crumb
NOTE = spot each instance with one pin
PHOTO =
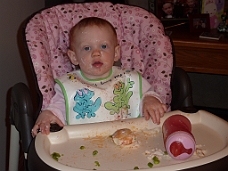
(97, 164)
(95, 152)
(150, 165)
(199, 151)
(136, 168)
(82, 147)
(55, 156)
(156, 160)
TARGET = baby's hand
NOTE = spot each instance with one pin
(153, 108)
(43, 122)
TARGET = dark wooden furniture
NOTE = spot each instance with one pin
(199, 55)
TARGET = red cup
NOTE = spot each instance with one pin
(178, 139)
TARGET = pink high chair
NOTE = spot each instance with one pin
(144, 47)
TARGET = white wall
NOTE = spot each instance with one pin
(12, 14)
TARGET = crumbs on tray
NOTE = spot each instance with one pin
(200, 152)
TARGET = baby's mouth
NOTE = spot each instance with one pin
(97, 64)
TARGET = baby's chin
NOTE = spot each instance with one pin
(96, 73)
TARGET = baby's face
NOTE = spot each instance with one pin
(95, 50)
(190, 3)
(168, 8)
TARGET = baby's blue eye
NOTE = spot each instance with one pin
(103, 46)
(87, 48)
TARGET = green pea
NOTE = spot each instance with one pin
(156, 160)
(55, 156)
(150, 165)
(95, 152)
(97, 163)
(82, 147)
(165, 153)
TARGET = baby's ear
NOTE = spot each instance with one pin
(117, 53)
(71, 54)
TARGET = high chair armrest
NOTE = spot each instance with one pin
(181, 91)
(21, 113)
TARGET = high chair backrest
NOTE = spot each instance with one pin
(144, 45)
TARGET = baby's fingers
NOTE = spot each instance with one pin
(45, 128)
(146, 114)
(151, 114)
(156, 117)
(164, 108)
(35, 130)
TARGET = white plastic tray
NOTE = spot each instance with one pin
(210, 132)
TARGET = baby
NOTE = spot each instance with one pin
(168, 9)
(98, 91)
(190, 7)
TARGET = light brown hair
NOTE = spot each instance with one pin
(90, 21)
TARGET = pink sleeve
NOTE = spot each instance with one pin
(148, 90)
(57, 104)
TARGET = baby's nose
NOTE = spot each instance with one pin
(96, 52)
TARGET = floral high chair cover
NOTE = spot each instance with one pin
(144, 45)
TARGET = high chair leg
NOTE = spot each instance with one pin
(14, 149)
